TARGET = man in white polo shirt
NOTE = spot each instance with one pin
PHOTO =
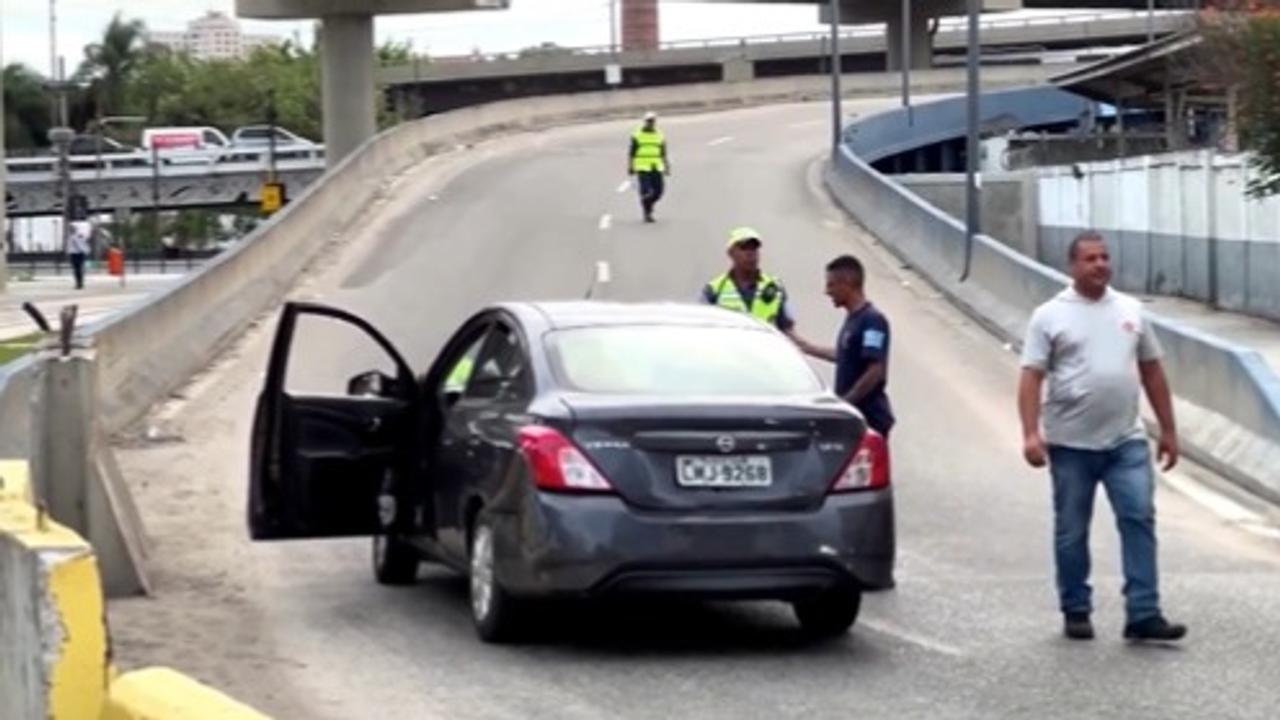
(1098, 351)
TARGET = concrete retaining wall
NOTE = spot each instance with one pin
(1182, 225)
(1228, 398)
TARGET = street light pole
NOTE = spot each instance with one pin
(972, 217)
(53, 56)
(906, 60)
(837, 114)
(613, 27)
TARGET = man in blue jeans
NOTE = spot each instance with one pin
(1098, 352)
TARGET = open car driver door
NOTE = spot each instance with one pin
(326, 465)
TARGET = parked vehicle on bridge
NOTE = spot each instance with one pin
(581, 449)
(260, 136)
(191, 145)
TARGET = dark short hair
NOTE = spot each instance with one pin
(1084, 237)
(849, 265)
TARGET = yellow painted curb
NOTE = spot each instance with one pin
(161, 694)
(79, 677)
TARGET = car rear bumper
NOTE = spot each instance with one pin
(598, 546)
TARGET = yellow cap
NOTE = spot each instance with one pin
(743, 234)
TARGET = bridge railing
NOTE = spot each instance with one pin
(857, 31)
(174, 163)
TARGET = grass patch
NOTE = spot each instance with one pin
(17, 347)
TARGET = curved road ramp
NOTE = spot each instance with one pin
(54, 647)
(1227, 396)
(60, 407)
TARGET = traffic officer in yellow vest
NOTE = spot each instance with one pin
(745, 288)
(647, 161)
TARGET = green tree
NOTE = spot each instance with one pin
(26, 109)
(111, 64)
(1241, 56)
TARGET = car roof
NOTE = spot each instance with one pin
(560, 315)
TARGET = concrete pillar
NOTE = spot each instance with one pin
(640, 29)
(346, 49)
(921, 40)
(75, 475)
(738, 69)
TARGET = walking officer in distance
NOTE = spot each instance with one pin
(647, 162)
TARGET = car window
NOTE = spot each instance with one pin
(211, 139)
(500, 368)
(679, 360)
(460, 373)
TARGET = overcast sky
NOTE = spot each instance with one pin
(527, 22)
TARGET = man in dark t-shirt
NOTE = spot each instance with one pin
(861, 353)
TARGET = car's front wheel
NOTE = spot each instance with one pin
(830, 614)
(496, 614)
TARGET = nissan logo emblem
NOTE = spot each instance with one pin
(725, 444)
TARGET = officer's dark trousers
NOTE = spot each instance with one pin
(652, 186)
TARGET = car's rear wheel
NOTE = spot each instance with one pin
(496, 613)
(830, 614)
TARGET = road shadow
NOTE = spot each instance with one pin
(655, 626)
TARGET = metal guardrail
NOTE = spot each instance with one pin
(52, 263)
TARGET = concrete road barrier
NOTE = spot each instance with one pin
(54, 646)
(1228, 398)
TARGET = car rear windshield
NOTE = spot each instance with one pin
(693, 360)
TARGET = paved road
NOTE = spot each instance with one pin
(970, 632)
(101, 297)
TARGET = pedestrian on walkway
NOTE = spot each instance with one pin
(78, 234)
(1097, 349)
(861, 354)
(647, 162)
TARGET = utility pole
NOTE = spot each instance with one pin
(906, 60)
(972, 214)
(837, 114)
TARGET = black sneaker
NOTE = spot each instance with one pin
(1155, 628)
(1076, 625)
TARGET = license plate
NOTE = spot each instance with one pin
(733, 471)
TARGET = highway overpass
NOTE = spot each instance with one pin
(442, 84)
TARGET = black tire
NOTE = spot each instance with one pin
(830, 614)
(395, 562)
(497, 616)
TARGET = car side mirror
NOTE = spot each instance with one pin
(451, 397)
(372, 383)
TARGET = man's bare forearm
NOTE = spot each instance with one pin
(1156, 386)
(1029, 384)
(862, 388)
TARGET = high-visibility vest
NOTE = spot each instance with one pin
(458, 377)
(765, 306)
(648, 152)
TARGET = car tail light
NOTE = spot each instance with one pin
(558, 465)
(868, 468)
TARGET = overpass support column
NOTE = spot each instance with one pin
(921, 39)
(346, 50)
